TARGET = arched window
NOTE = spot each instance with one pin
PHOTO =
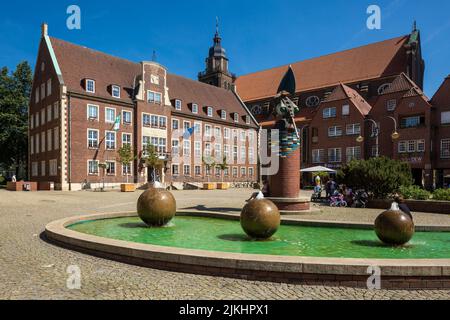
(312, 101)
(383, 88)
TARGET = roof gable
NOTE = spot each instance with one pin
(404, 84)
(343, 92)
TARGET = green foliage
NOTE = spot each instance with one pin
(125, 154)
(442, 194)
(414, 193)
(15, 92)
(322, 175)
(152, 159)
(379, 176)
(2, 180)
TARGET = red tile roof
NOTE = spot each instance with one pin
(78, 63)
(404, 84)
(342, 92)
(368, 62)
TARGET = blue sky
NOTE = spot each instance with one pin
(257, 34)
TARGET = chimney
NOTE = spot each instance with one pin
(44, 29)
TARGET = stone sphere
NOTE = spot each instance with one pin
(394, 227)
(260, 219)
(156, 207)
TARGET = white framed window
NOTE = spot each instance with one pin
(175, 147)
(318, 156)
(345, 110)
(353, 153)
(186, 148)
(186, 125)
(421, 145)
(353, 129)
(195, 108)
(34, 169)
(251, 156)
(92, 112)
(53, 168)
(226, 133)
(410, 122)
(198, 170)
(110, 168)
(37, 144)
(217, 132)
(218, 151)
(250, 172)
(209, 111)
(198, 128)
(90, 86)
(115, 91)
(56, 138)
(42, 116)
(243, 171)
(162, 122)
(92, 137)
(110, 115)
(31, 144)
(43, 141)
(56, 110)
(335, 131)
(412, 144)
(208, 149)
(329, 113)
(32, 121)
(226, 172)
(445, 149)
(187, 170)
(49, 113)
(43, 168)
(178, 105)
(154, 121)
(126, 169)
(236, 118)
(445, 117)
(226, 151)
(43, 91)
(402, 147)
(223, 115)
(49, 139)
(251, 136)
(335, 155)
(197, 149)
(154, 97)
(126, 139)
(110, 140)
(127, 117)
(208, 131)
(36, 95)
(243, 136)
(49, 87)
(146, 120)
(235, 172)
(391, 105)
(175, 124)
(93, 167)
(235, 153)
(175, 170)
(247, 119)
(243, 154)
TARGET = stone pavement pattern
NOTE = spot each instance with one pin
(31, 268)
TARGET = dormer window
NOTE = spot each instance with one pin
(115, 91)
(247, 119)
(236, 118)
(178, 105)
(90, 86)
(209, 111)
(223, 115)
(154, 97)
(195, 108)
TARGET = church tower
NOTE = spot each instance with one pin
(415, 61)
(216, 72)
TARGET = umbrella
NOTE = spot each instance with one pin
(318, 169)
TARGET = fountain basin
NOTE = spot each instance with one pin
(225, 250)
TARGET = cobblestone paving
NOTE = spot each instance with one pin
(31, 268)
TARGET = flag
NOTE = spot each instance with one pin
(189, 132)
(117, 124)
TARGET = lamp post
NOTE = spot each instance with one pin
(375, 134)
(395, 135)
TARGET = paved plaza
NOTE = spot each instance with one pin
(32, 268)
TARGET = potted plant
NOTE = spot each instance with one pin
(222, 166)
(209, 163)
(126, 156)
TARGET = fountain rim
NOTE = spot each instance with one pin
(58, 232)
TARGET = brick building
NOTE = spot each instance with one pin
(85, 105)
(362, 103)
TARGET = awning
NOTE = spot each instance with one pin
(318, 169)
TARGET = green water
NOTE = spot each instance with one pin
(227, 236)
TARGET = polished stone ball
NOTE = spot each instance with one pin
(156, 207)
(260, 219)
(394, 227)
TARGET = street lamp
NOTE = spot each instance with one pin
(375, 134)
(395, 135)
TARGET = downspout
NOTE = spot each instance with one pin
(69, 141)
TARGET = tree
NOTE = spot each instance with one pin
(152, 159)
(209, 163)
(15, 91)
(126, 156)
(379, 176)
(222, 166)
